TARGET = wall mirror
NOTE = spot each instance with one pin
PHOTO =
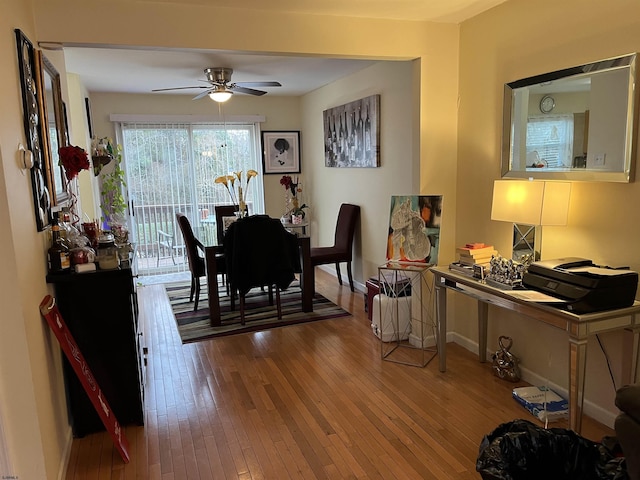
(54, 134)
(579, 123)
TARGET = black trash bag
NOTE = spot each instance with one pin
(520, 450)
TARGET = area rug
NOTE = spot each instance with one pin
(259, 315)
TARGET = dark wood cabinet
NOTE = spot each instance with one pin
(101, 310)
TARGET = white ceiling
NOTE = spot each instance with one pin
(140, 71)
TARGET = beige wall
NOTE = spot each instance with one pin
(371, 188)
(31, 388)
(515, 41)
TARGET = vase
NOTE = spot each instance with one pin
(296, 219)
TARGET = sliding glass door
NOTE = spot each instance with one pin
(172, 168)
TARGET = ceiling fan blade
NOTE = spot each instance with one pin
(249, 91)
(177, 88)
(258, 84)
(204, 94)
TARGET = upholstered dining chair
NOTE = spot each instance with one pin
(259, 252)
(342, 248)
(195, 258)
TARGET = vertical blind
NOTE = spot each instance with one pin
(172, 168)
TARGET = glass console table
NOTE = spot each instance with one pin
(578, 328)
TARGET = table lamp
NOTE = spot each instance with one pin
(529, 205)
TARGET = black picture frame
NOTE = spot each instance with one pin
(31, 99)
(87, 107)
(281, 151)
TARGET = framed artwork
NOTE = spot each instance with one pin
(281, 152)
(414, 229)
(31, 101)
(87, 108)
(352, 134)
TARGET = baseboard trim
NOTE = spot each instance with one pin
(602, 415)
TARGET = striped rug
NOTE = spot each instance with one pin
(259, 315)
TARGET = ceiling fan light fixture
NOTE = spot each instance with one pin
(220, 95)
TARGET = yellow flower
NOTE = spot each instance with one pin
(251, 173)
(223, 180)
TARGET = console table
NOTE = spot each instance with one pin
(578, 328)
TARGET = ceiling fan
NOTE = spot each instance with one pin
(220, 87)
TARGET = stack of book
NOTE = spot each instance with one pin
(476, 254)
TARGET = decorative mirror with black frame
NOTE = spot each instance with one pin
(31, 113)
(45, 128)
(579, 123)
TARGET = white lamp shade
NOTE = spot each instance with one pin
(221, 95)
(531, 203)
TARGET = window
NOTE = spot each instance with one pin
(172, 168)
(550, 141)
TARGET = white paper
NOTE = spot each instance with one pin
(535, 296)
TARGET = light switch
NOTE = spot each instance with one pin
(599, 159)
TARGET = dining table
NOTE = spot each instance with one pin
(307, 279)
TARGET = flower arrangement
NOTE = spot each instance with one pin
(237, 197)
(73, 160)
(295, 188)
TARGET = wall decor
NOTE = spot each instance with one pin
(30, 106)
(352, 134)
(575, 124)
(414, 229)
(53, 131)
(281, 152)
(87, 108)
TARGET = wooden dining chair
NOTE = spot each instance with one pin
(197, 266)
(222, 211)
(342, 248)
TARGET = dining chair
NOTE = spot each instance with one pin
(342, 248)
(222, 211)
(195, 258)
(259, 253)
(167, 243)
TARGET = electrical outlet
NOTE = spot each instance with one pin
(599, 159)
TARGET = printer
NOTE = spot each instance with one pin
(584, 286)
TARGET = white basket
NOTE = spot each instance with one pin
(396, 319)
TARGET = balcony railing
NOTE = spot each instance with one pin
(158, 254)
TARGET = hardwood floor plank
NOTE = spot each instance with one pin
(311, 401)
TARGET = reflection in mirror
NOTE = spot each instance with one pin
(572, 124)
(54, 134)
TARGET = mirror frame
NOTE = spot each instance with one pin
(575, 174)
(31, 115)
(56, 179)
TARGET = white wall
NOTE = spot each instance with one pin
(371, 188)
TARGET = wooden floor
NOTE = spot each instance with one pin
(304, 402)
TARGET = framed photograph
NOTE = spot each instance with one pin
(352, 134)
(281, 152)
